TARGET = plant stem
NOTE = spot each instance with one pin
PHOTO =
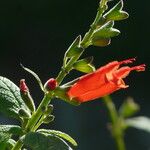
(116, 128)
(34, 122)
(18, 145)
(36, 116)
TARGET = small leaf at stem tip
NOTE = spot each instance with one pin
(74, 48)
(35, 76)
(106, 31)
(116, 13)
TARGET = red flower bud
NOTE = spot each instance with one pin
(23, 86)
(51, 84)
(103, 81)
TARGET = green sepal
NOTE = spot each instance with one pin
(128, 108)
(61, 93)
(106, 31)
(74, 48)
(35, 76)
(84, 65)
(116, 13)
(60, 134)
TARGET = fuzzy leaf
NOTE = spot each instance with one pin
(59, 134)
(45, 142)
(10, 98)
(106, 31)
(116, 12)
(6, 131)
(141, 123)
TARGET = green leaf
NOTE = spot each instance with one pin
(141, 123)
(74, 48)
(59, 134)
(35, 76)
(101, 41)
(116, 13)
(6, 131)
(10, 143)
(10, 98)
(3, 146)
(39, 141)
(106, 31)
(128, 108)
(61, 93)
(84, 65)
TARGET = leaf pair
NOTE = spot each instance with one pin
(105, 31)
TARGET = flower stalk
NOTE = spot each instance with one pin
(116, 123)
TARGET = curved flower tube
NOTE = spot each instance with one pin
(103, 81)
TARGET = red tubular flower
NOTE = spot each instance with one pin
(103, 81)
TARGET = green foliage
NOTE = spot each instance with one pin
(141, 123)
(101, 41)
(106, 31)
(24, 114)
(10, 99)
(48, 119)
(74, 48)
(84, 65)
(6, 131)
(59, 134)
(116, 13)
(10, 143)
(45, 142)
(128, 108)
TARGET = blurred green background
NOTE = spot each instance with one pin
(38, 32)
